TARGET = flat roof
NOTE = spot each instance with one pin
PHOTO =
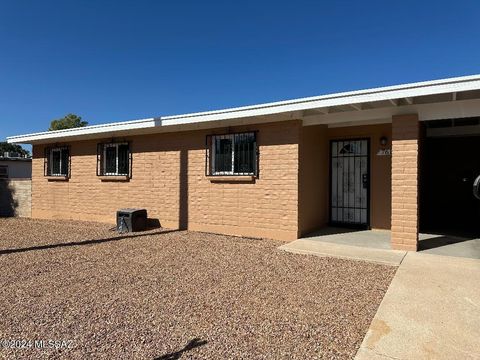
(178, 122)
(15, 159)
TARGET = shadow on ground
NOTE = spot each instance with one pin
(441, 240)
(80, 243)
(194, 343)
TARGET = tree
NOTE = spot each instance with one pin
(6, 147)
(67, 122)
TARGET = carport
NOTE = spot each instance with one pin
(450, 178)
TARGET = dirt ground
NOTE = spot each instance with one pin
(78, 290)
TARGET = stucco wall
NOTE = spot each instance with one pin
(313, 179)
(169, 181)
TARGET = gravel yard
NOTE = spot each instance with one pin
(177, 295)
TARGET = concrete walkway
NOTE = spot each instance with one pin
(430, 311)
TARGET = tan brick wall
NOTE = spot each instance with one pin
(405, 149)
(169, 181)
(16, 197)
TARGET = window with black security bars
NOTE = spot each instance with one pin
(57, 161)
(114, 159)
(232, 154)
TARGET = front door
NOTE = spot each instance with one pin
(350, 183)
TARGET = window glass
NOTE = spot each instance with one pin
(110, 160)
(65, 162)
(244, 154)
(123, 159)
(56, 160)
(223, 155)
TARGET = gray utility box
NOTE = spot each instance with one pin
(129, 220)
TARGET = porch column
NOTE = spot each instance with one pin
(405, 159)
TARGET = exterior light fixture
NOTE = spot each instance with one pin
(383, 141)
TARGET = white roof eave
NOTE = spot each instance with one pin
(84, 131)
(412, 90)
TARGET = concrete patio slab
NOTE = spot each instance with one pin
(379, 239)
(324, 248)
(438, 244)
(430, 311)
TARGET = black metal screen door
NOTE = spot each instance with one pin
(349, 182)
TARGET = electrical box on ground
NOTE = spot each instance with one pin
(131, 220)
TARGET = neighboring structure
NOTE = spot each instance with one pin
(15, 166)
(400, 158)
(15, 185)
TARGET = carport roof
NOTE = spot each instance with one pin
(376, 103)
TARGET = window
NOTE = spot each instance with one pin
(114, 159)
(3, 171)
(57, 161)
(232, 154)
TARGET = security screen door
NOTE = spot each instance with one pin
(349, 182)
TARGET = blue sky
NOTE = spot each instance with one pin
(122, 60)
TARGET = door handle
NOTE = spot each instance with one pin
(476, 188)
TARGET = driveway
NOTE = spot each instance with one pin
(77, 290)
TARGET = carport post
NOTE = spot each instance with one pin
(405, 162)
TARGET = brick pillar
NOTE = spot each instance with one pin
(405, 147)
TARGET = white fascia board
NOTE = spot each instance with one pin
(83, 131)
(465, 83)
(458, 84)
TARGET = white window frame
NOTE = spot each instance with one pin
(59, 150)
(116, 146)
(5, 175)
(214, 144)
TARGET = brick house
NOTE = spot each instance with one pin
(278, 170)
